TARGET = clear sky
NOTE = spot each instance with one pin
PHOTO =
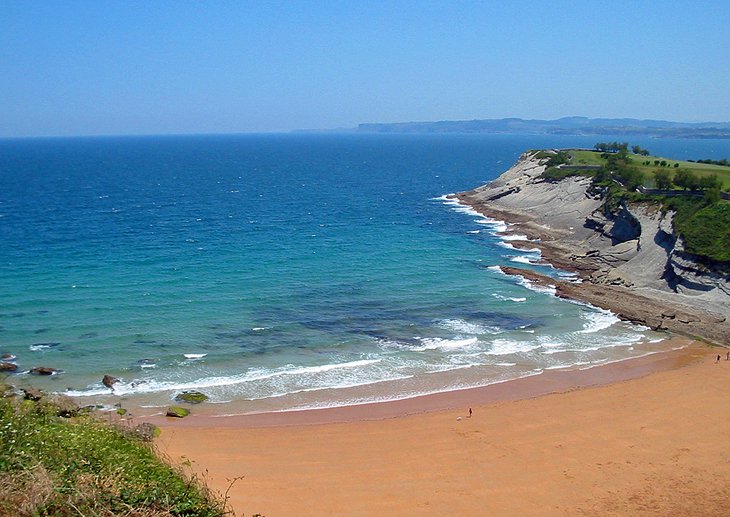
(145, 67)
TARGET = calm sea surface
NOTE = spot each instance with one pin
(279, 271)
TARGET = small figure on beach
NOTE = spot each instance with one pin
(718, 359)
(469, 412)
(727, 357)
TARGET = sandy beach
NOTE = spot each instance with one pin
(642, 437)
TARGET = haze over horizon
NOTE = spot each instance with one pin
(101, 68)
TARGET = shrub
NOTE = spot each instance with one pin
(50, 464)
(663, 179)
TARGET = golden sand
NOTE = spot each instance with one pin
(654, 445)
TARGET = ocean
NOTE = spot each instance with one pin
(280, 272)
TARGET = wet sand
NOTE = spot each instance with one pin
(647, 436)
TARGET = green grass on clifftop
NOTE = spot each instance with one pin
(54, 466)
(705, 230)
(702, 218)
(584, 157)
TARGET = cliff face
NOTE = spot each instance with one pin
(634, 247)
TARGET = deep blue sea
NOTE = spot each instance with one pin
(280, 271)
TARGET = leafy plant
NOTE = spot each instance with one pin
(50, 465)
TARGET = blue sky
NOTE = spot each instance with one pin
(138, 67)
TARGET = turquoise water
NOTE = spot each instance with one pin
(279, 271)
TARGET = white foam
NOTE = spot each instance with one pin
(508, 346)
(400, 396)
(522, 259)
(549, 289)
(473, 231)
(509, 298)
(465, 327)
(328, 367)
(597, 321)
(153, 386)
(36, 348)
(444, 344)
(514, 237)
(497, 226)
(194, 356)
(457, 206)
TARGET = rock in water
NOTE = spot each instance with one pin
(8, 367)
(177, 412)
(109, 381)
(191, 397)
(43, 370)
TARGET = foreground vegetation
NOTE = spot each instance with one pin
(56, 461)
(693, 190)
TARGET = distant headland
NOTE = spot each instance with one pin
(563, 126)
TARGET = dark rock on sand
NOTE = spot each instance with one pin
(65, 406)
(32, 394)
(191, 397)
(177, 412)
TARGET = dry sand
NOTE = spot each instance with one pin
(654, 445)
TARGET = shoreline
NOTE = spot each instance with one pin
(650, 307)
(631, 437)
(679, 352)
(646, 445)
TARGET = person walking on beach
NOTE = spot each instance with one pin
(469, 412)
(727, 357)
(718, 359)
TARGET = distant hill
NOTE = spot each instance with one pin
(563, 126)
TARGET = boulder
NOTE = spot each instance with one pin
(43, 370)
(109, 381)
(7, 357)
(177, 412)
(65, 406)
(191, 397)
(7, 367)
(32, 394)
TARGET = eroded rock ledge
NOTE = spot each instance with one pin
(630, 261)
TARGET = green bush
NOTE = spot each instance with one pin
(49, 465)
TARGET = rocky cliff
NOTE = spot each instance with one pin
(632, 247)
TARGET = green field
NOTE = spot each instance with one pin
(581, 157)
